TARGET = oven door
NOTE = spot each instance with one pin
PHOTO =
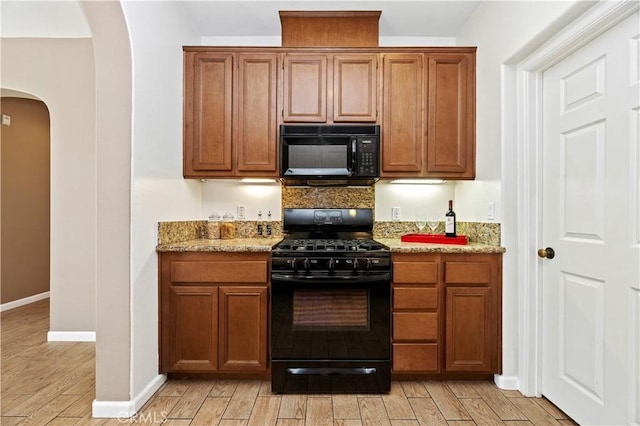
(331, 330)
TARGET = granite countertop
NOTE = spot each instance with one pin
(398, 246)
(234, 245)
(265, 244)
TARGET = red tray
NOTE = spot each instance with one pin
(434, 239)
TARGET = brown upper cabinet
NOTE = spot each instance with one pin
(305, 89)
(230, 114)
(428, 118)
(402, 118)
(355, 88)
(423, 98)
(328, 88)
(358, 28)
(450, 91)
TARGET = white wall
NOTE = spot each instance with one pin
(500, 30)
(50, 19)
(61, 73)
(158, 30)
(413, 199)
(277, 41)
(224, 195)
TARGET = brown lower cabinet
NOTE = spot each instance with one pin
(446, 313)
(213, 312)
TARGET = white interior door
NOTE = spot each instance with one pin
(591, 288)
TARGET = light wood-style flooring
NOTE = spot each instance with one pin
(54, 384)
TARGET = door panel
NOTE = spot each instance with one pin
(211, 132)
(305, 89)
(450, 117)
(355, 88)
(581, 340)
(257, 121)
(402, 122)
(243, 328)
(590, 327)
(471, 329)
(193, 326)
(582, 165)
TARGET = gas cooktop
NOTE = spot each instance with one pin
(322, 232)
(333, 245)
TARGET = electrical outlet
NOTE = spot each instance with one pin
(491, 210)
(241, 209)
(395, 213)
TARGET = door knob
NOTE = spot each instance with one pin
(548, 253)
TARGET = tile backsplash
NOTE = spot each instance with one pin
(328, 197)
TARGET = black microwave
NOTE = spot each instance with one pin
(329, 154)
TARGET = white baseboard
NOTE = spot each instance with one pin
(71, 336)
(21, 302)
(126, 409)
(507, 382)
(112, 409)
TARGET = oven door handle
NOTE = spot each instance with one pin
(288, 278)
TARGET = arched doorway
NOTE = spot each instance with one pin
(25, 182)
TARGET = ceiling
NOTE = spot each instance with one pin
(245, 18)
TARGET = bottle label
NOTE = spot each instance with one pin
(449, 225)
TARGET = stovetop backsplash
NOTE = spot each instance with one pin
(323, 197)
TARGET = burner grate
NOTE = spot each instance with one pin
(319, 245)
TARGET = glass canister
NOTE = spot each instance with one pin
(228, 227)
(213, 226)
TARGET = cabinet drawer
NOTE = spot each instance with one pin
(415, 272)
(415, 357)
(415, 298)
(415, 326)
(467, 273)
(245, 271)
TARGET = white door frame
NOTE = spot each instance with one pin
(522, 180)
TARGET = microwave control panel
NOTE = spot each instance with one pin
(367, 156)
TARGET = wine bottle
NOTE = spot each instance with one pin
(450, 221)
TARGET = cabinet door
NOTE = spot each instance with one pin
(305, 89)
(208, 113)
(451, 115)
(256, 119)
(402, 122)
(192, 324)
(471, 329)
(243, 328)
(355, 88)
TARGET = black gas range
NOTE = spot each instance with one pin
(330, 304)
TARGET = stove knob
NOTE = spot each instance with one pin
(294, 264)
(355, 264)
(306, 264)
(331, 264)
(367, 264)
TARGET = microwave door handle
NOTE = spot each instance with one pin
(353, 155)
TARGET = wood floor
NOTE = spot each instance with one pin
(54, 384)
